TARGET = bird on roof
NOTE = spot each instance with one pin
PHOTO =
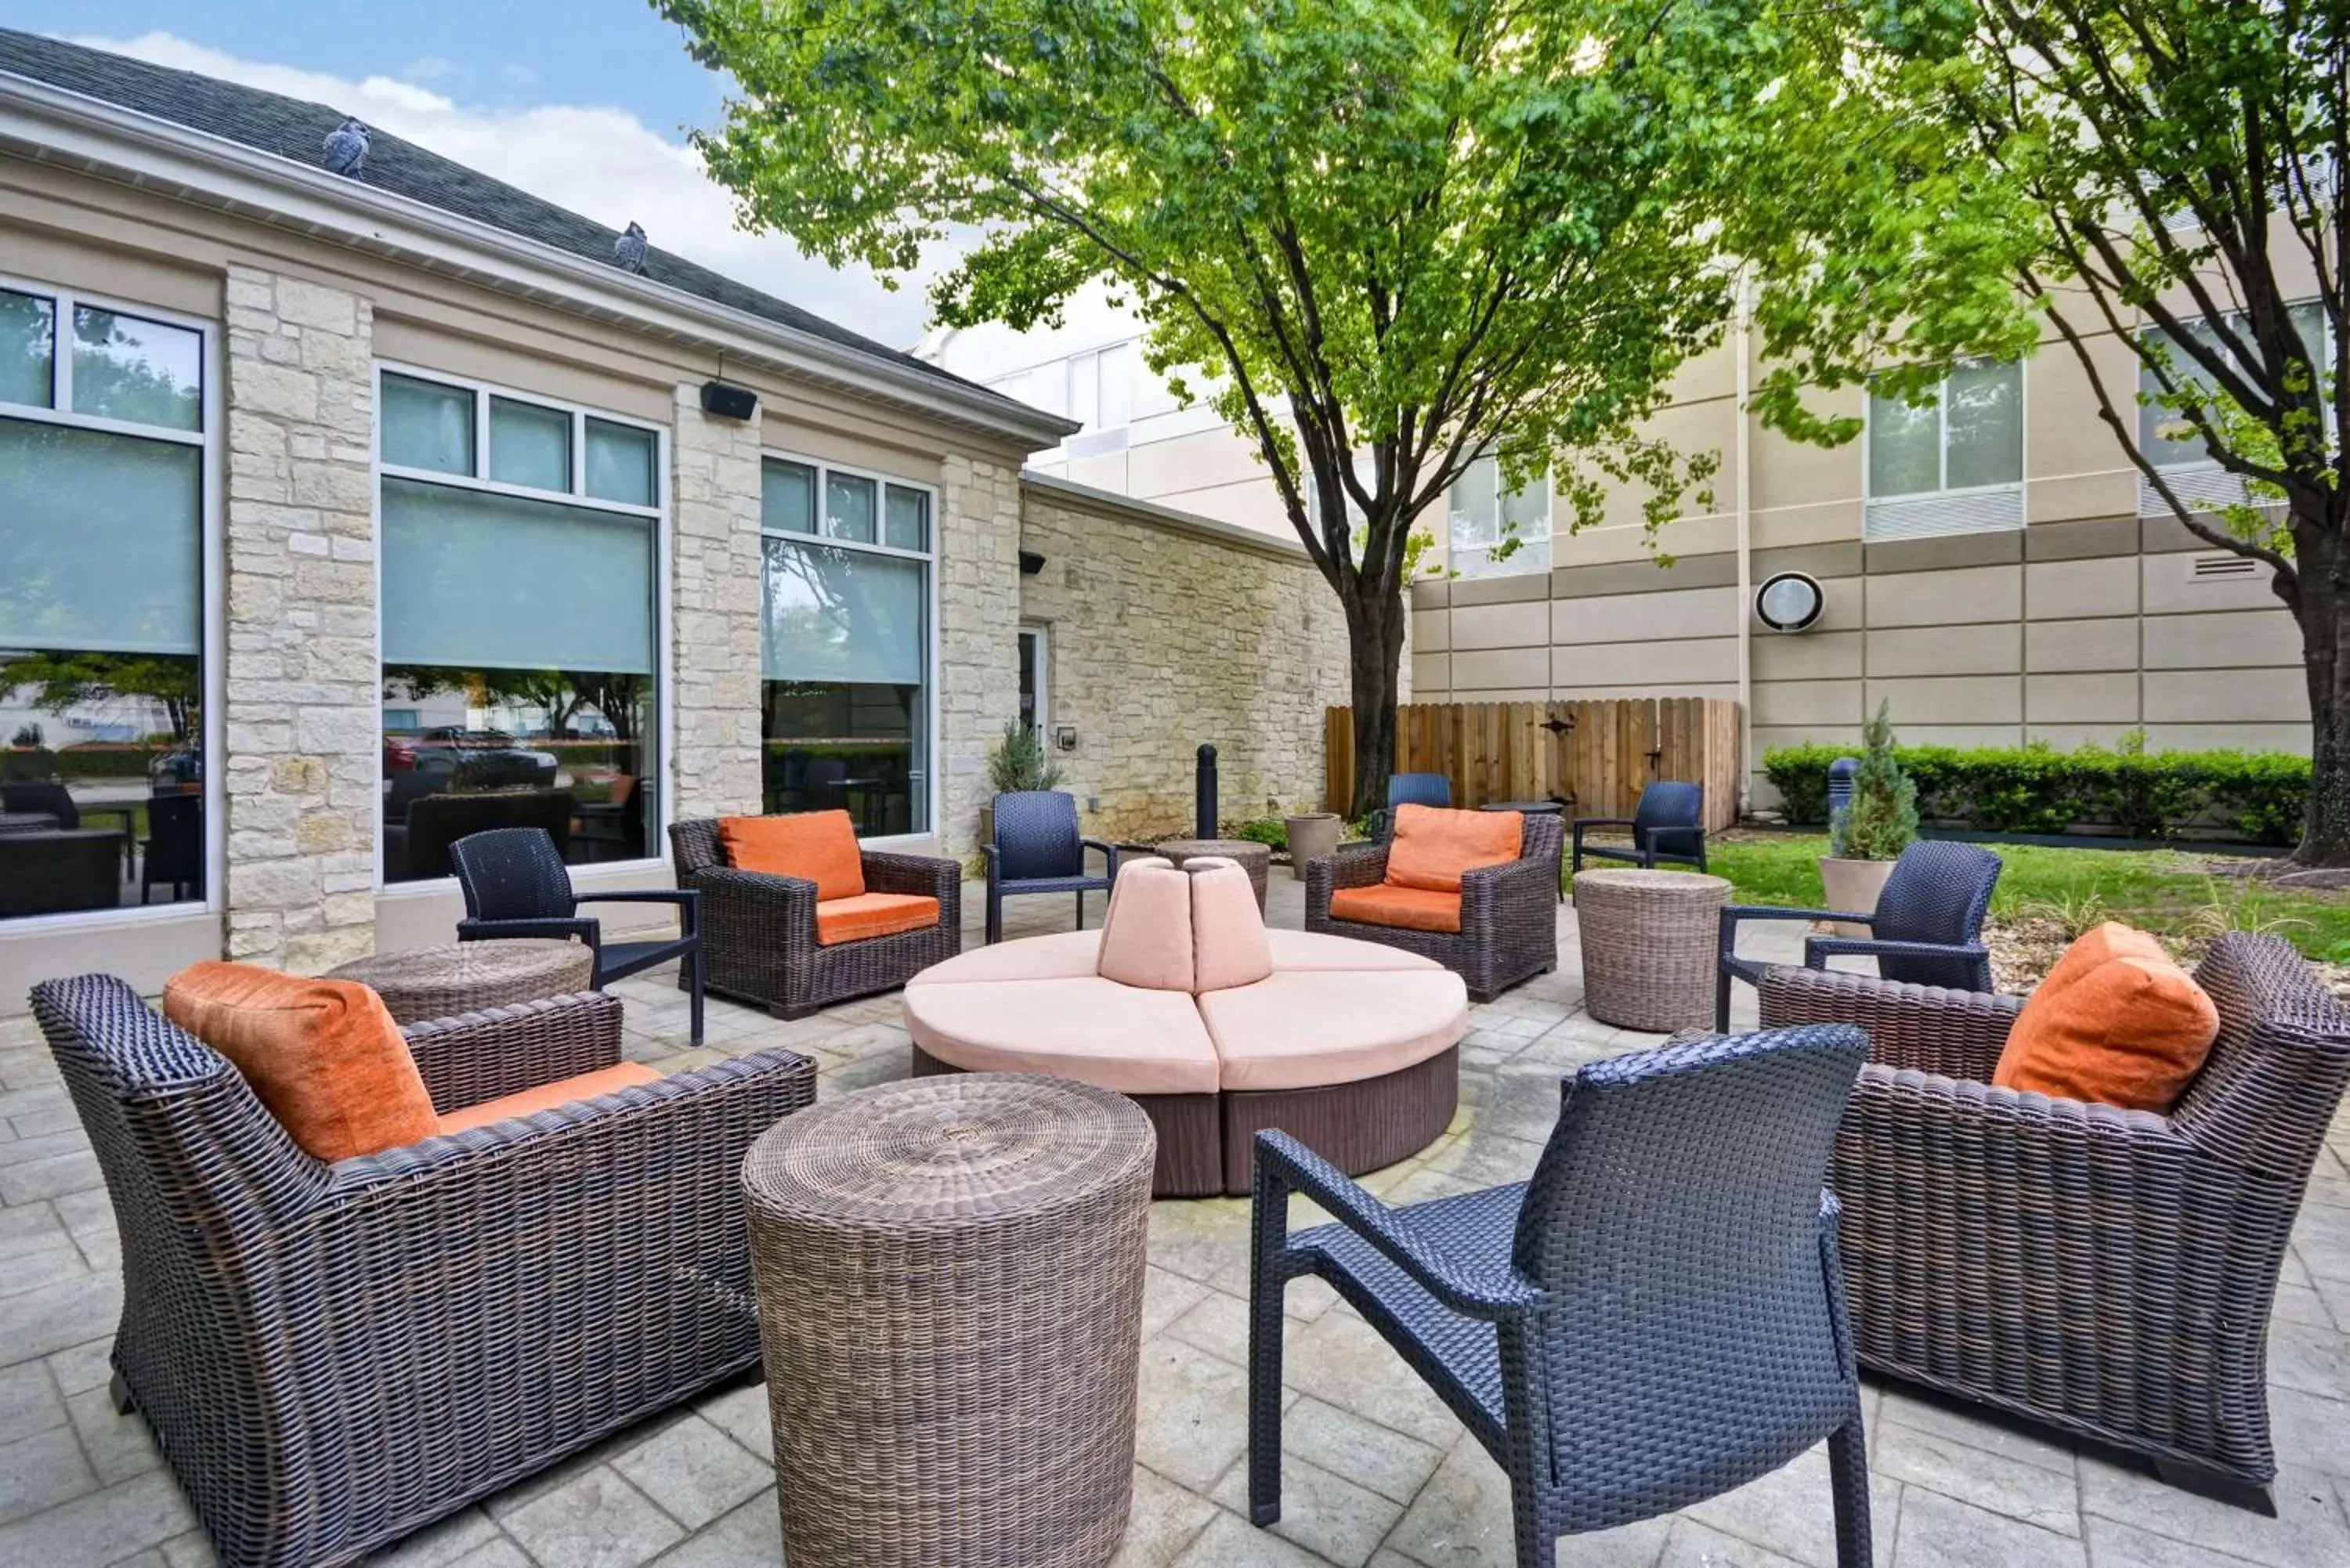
(346, 148)
(628, 250)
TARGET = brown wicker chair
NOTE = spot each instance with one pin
(2105, 1272)
(1509, 913)
(332, 1356)
(758, 931)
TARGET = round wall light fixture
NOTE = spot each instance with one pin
(1790, 601)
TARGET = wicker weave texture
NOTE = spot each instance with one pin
(1252, 857)
(950, 1282)
(420, 984)
(1509, 925)
(1648, 953)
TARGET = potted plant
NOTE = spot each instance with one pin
(1873, 830)
(1313, 834)
(1016, 762)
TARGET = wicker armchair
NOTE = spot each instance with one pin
(1509, 913)
(1656, 1317)
(758, 931)
(2109, 1272)
(332, 1356)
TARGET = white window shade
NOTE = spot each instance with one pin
(842, 616)
(102, 539)
(494, 582)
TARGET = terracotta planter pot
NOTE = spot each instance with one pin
(1853, 886)
(1312, 836)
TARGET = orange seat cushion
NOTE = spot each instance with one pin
(2125, 1026)
(323, 1055)
(873, 915)
(1433, 846)
(546, 1096)
(818, 846)
(1410, 908)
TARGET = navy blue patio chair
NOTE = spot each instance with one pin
(1656, 1317)
(1668, 828)
(517, 885)
(1411, 789)
(1927, 928)
(1036, 849)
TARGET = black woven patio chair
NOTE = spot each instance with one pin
(331, 1356)
(1927, 928)
(1623, 1345)
(1668, 828)
(1036, 850)
(1411, 789)
(517, 885)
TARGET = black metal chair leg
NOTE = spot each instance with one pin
(1269, 1218)
(1081, 911)
(694, 963)
(1849, 1476)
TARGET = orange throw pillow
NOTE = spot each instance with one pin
(873, 915)
(1433, 846)
(818, 846)
(2130, 1029)
(1404, 908)
(324, 1055)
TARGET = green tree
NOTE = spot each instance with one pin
(1881, 819)
(2154, 184)
(59, 681)
(1381, 239)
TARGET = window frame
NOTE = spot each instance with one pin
(823, 468)
(1868, 494)
(211, 573)
(657, 514)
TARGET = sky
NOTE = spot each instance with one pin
(583, 102)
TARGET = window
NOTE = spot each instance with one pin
(1953, 466)
(2164, 432)
(1483, 523)
(519, 540)
(845, 651)
(103, 429)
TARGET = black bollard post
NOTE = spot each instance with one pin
(1203, 793)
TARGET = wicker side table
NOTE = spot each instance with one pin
(1649, 947)
(1254, 859)
(949, 1274)
(421, 984)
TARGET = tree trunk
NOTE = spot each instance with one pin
(2318, 603)
(1375, 631)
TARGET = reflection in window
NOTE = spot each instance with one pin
(427, 425)
(1970, 438)
(530, 445)
(27, 349)
(1491, 532)
(140, 372)
(2164, 432)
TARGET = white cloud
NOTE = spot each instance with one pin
(604, 162)
(432, 68)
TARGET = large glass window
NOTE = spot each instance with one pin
(846, 647)
(519, 631)
(2165, 433)
(1492, 532)
(103, 433)
(1970, 438)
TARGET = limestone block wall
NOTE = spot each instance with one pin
(979, 544)
(714, 576)
(1163, 635)
(302, 765)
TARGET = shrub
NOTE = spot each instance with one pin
(1266, 830)
(1881, 820)
(1018, 761)
(2037, 789)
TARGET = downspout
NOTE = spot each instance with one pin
(1742, 494)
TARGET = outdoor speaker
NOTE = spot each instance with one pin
(728, 402)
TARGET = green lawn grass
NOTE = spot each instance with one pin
(2158, 890)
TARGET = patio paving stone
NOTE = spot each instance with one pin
(1379, 1474)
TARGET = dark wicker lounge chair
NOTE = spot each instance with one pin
(516, 884)
(1036, 850)
(1668, 828)
(332, 1356)
(1508, 914)
(758, 930)
(1623, 1345)
(1927, 928)
(2108, 1272)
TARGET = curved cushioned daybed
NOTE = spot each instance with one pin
(1214, 1025)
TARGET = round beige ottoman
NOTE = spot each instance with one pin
(1651, 947)
(949, 1274)
(456, 978)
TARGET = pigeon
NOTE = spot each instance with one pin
(346, 148)
(628, 250)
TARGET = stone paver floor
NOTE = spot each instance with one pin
(1377, 1471)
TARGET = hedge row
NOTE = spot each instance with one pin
(2038, 789)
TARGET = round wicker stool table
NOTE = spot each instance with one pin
(421, 984)
(949, 1274)
(1650, 947)
(1254, 859)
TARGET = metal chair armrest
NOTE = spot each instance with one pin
(586, 930)
(1109, 854)
(687, 899)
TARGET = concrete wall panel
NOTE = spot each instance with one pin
(1964, 597)
(1682, 663)
(1796, 704)
(1522, 625)
(2072, 590)
(1950, 699)
(2106, 699)
(2221, 697)
(2226, 641)
(1995, 648)
(2076, 645)
(1637, 618)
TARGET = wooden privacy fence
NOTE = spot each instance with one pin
(1594, 755)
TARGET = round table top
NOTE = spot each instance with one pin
(508, 958)
(1632, 878)
(950, 1153)
(1235, 848)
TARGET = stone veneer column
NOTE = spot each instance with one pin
(979, 628)
(714, 577)
(303, 767)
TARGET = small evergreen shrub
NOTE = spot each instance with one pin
(1882, 819)
(1018, 761)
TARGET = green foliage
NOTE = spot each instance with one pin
(1267, 830)
(59, 681)
(1881, 820)
(1018, 761)
(2038, 789)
